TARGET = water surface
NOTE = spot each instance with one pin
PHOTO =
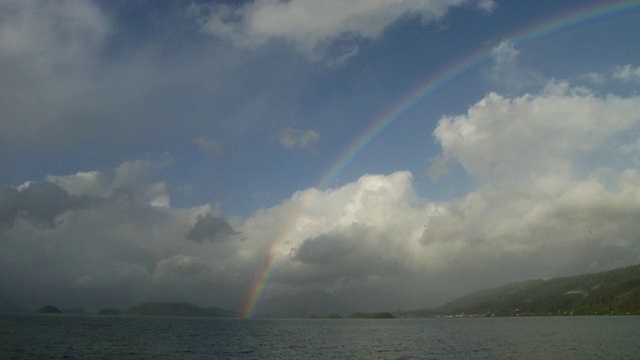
(121, 337)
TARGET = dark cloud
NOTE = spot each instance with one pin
(354, 252)
(210, 228)
(9, 205)
(325, 249)
(39, 203)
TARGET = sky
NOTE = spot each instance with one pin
(296, 157)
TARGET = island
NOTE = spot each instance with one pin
(48, 309)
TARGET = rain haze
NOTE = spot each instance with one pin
(281, 157)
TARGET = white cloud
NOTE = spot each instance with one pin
(209, 144)
(27, 27)
(291, 138)
(83, 183)
(312, 26)
(507, 72)
(487, 5)
(132, 172)
(626, 73)
(533, 134)
(595, 78)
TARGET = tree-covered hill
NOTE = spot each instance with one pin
(611, 292)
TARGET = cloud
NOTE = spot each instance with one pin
(534, 134)
(626, 73)
(73, 80)
(108, 250)
(210, 228)
(487, 5)
(313, 27)
(209, 145)
(538, 208)
(508, 73)
(27, 28)
(9, 205)
(438, 168)
(291, 138)
(48, 51)
(132, 172)
(121, 276)
(595, 78)
(41, 203)
(92, 183)
(537, 198)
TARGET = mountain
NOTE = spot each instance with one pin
(177, 309)
(610, 292)
(379, 315)
(109, 311)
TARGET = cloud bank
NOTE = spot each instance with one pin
(551, 196)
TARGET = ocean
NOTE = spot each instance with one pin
(38, 336)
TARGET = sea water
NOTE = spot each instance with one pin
(121, 337)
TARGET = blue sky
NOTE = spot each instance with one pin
(156, 148)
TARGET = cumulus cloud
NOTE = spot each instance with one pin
(132, 172)
(312, 26)
(210, 228)
(516, 137)
(92, 183)
(38, 202)
(291, 138)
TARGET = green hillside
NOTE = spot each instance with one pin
(611, 292)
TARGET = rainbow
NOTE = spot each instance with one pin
(537, 31)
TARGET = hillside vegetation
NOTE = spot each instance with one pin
(611, 292)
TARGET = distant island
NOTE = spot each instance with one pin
(375, 315)
(48, 309)
(177, 309)
(356, 315)
(109, 311)
(150, 309)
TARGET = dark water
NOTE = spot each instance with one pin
(104, 337)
